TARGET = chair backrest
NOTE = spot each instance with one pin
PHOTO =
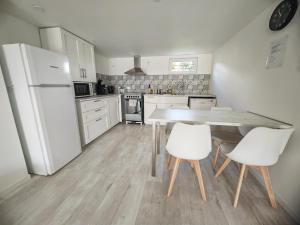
(261, 146)
(244, 130)
(189, 141)
(221, 109)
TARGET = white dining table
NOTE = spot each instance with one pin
(222, 118)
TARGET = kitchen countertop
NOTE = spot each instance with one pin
(95, 97)
(169, 95)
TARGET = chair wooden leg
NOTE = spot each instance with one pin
(246, 172)
(238, 190)
(265, 173)
(226, 162)
(191, 163)
(169, 160)
(200, 178)
(216, 156)
(171, 163)
(238, 165)
(172, 181)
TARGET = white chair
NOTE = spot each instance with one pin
(245, 130)
(230, 138)
(169, 126)
(223, 135)
(260, 148)
(191, 143)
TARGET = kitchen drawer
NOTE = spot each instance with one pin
(92, 105)
(95, 128)
(202, 104)
(94, 114)
(171, 106)
(166, 99)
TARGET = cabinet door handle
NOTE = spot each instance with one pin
(97, 100)
(81, 73)
(98, 119)
(97, 110)
(84, 73)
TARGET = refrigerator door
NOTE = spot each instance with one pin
(45, 67)
(57, 122)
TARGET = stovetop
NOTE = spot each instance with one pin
(135, 95)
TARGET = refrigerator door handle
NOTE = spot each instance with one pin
(50, 85)
(55, 67)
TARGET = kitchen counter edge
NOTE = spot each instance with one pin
(95, 97)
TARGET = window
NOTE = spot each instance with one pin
(183, 65)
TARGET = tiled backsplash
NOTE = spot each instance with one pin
(181, 84)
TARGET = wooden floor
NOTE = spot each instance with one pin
(110, 183)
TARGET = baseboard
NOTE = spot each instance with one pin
(279, 198)
(12, 189)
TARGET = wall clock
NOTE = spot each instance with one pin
(283, 14)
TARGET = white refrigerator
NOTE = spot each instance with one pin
(42, 97)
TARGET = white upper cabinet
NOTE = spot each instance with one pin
(80, 53)
(70, 46)
(87, 61)
(156, 65)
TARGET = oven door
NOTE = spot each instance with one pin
(83, 89)
(133, 110)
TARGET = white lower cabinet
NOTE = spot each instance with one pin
(96, 116)
(95, 128)
(152, 102)
(148, 110)
(113, 106)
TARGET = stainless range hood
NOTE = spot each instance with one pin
(136, 70)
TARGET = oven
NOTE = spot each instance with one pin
(134, 108)
(83, 89)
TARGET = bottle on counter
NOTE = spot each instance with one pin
(150, 91)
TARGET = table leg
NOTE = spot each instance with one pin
(158, 138)
(154, 136)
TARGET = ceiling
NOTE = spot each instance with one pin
(121, 28)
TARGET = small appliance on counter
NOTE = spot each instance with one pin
(83, 89)
(202, 102)
(121, 90)
(134, 108)
(111, 89)
(101, 89)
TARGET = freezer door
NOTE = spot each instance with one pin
(45, 67)
(57, 121)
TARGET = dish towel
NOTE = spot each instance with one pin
(132, 102)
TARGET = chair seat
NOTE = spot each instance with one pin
(221, 136)
(227, 147)
(190, 142)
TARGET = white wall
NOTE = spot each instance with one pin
(15, 30)
(241, 80)
(12, 162)
(102, 64)
(157, 65)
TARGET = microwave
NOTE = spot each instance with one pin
(83, 89)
